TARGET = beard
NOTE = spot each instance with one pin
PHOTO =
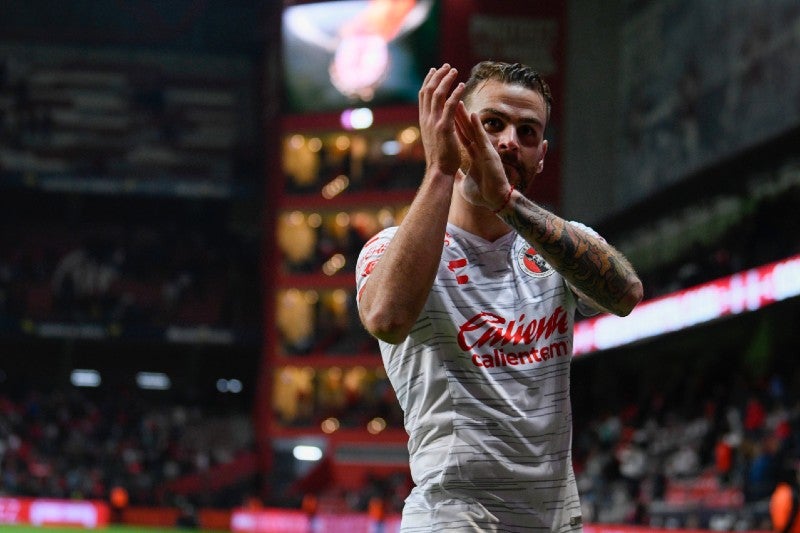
(519, 173)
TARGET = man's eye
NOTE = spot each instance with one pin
(492, 124)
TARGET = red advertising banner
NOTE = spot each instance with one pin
(269, 521)
(48, 512)
(291, 521)
(732, 295)
(14, 511)
(349, 522)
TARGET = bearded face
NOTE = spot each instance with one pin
(514, 119)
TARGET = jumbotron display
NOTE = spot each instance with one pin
(356, 52)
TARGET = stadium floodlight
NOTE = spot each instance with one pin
(234, 386)
(81, 377)
(153, 381)
(391, 148)
(356, 119)
(304, 452)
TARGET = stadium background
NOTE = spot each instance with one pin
(182, 204)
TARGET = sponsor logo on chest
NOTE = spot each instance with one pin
(493, 341)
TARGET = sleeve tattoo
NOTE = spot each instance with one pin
(590, 264)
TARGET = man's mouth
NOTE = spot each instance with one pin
(508, 166)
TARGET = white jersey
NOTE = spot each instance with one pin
(483, 381)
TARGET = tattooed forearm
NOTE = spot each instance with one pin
(588, 263)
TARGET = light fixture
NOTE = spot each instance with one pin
(153, 381)
(307, 453)
(356, 119)
(85, 378)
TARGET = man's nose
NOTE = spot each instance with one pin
(508, 139)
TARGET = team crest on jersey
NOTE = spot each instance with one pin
(534, 264)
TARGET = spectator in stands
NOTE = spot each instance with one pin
(784, 502)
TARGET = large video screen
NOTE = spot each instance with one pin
(340, 54)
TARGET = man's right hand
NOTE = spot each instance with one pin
(437, 108)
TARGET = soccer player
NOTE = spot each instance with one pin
(473, 297)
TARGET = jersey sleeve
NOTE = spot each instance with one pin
(584, 307)
(370, 254)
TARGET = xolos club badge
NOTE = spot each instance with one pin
(534, 264)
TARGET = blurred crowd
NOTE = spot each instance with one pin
(133, 269)
(708, 461)
(73, 444)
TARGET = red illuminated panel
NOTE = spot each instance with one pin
(732, 295)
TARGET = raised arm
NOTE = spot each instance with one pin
(596, 270)
(397, 287)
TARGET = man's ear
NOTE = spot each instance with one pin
(540, 164)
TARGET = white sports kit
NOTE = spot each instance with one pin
(483, 381)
